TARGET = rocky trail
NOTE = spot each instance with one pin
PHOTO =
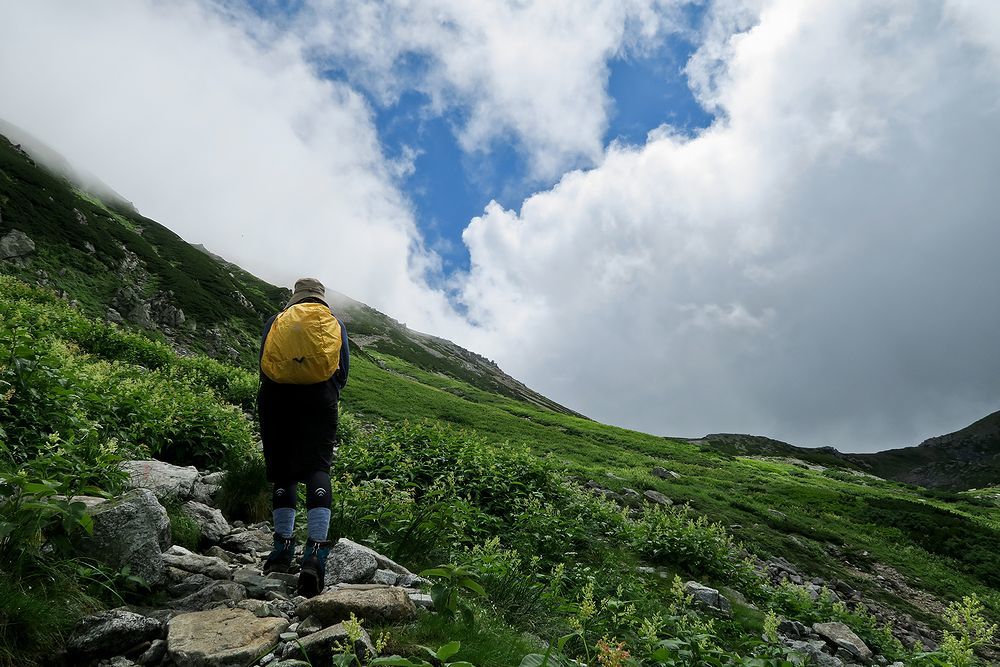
(216, 608)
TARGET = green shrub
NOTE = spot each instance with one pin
(245, 493)
(184, 530)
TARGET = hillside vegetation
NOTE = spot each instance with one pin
(574, 529)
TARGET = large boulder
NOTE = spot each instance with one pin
(216, 593)
(350, 563)
(211, 522)
(383, 562)
(843, 637)
(374, 605)
(110, 633)
(252, 541)
(15, 243)
(163, 479)
(657, 498)
(221, 637)
(130, 530)
(708, 598)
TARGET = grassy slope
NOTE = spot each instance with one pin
(776, 509)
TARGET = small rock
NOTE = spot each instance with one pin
(308, 626)
(154, 654)
(657, 498)
(319, 647)
(217, 591)
(16, 244)
(422, 600)
(843, 637)
(179, 557)
(708, 598)
(387, 577)
(663, 473)
(210, 521)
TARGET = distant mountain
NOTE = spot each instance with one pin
(966, 459)
(65, 229)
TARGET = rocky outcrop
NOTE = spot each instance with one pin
(841, 636)
(14, 244)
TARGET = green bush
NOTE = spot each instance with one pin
(245, 493)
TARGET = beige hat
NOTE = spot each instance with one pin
(307, 288)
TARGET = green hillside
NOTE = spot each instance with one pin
(442, 462)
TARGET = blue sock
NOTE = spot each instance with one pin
(284, 521)
(319, 523)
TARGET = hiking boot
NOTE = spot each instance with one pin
(312, 572)
(281, 556)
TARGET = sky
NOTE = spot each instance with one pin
(685, 217)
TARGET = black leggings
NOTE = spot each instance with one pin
(283, 494)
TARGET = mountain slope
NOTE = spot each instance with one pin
(968, 458)
(116, 263)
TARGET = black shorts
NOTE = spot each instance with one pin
(298, 426)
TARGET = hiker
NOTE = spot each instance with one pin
(304, 361)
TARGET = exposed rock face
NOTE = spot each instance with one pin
(166, 481)
(708, 598)
(211, 523)
(80, 217)
(843, 637)
(131, 530)
(111, 633)
(373, 605)
(15, 243)
(221, 638)
(350, 563)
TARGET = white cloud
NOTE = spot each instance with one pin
(818, 265)
(218, 126)
(533, 73)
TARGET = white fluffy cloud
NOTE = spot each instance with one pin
(220, 128)
(819, 265)
(530, 72)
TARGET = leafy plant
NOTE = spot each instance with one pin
(450, 582)
(440, 657)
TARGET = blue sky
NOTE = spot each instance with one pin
(447, 186)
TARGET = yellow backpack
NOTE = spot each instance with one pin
(303, 345)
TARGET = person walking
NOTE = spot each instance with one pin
(304, 363)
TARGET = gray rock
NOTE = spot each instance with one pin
(319, 647)
(350, 563)
(814, 649)
(16, 243)
(218, 552)
(387, 577)
(113, 315)
(221, 638)
(843, 637)
(383, 562)
(154, 654)
(141, 314)
(708, 598)
(204, 493)
(111, 633)
(375, 606)
(663, 473)
(422, 600)
(210, 521)
(412, 581)
(309, 625)
(163, 479)
(249, 541)
(792, 629)
(657, 498)
(213, 478)
(179, 557)
(631, 496)
(257, 585)
(89, 247)
(186, 583)
(217, 591)
(80, 217)
(131, 530)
